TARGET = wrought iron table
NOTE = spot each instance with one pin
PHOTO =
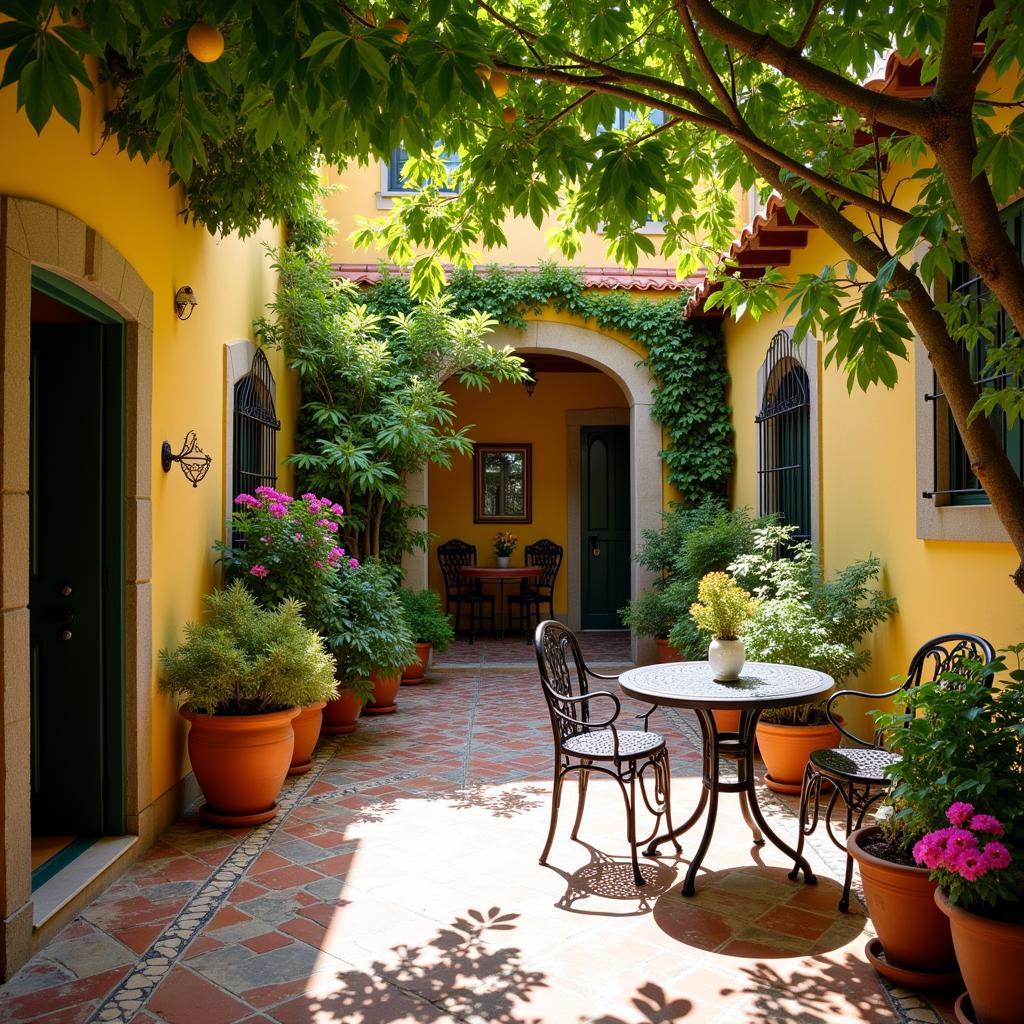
(492, 574)
(691, 684)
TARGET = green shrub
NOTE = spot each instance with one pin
(423, 615)
(650, 614)
(248, 660)
(366, 627)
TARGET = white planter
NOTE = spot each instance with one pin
(726, 658)
(503, 561)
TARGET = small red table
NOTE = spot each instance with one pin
(492, 574)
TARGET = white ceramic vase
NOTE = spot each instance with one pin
(503, 561)
(726, 658)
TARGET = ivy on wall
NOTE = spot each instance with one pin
(686, 360)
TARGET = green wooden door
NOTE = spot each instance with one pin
(74, 598)
(605, 526)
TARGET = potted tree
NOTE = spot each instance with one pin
(801, 619)
(370, 640)
(721, 609)
(244, 674)
(943, 872)
(431, 630)
(651, 614)
(284, 547)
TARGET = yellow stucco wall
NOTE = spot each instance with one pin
(868, 499)
(507, 414)
(130, 204)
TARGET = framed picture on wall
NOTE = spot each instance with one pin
(502, 484)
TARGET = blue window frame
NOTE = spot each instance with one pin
(399, 155)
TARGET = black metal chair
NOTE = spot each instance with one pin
(452, 556)
(585, 745)
(857, 773)
(534, 593)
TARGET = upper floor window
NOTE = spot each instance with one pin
(785, 466)
(396, 181)
(954, 481)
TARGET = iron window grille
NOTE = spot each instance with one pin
(784, 438)
(954, 482)
(254, 455)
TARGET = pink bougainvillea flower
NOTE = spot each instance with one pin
(337, 510)
(996, 856)
(310, 496)
(328, 524)
(987, 823)
(266, 492)
(298, 536)
(259, 571)
(249, 501)
(318, 563)
(277, 510)
(959, 813)
(354, 563)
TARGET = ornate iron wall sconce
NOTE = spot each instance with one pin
(531, 382)
(184, 302)
(194, 462)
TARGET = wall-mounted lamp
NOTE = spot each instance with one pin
(531, 382)
(194, 462)
(184, 302)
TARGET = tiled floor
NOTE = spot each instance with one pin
(600, 647)
(400, 884)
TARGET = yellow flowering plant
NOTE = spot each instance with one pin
(505, 543)
(722, 606)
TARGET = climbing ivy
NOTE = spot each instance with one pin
(687, 360)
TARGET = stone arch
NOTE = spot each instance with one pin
(35, 234)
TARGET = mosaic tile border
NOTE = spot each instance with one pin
(131, 994)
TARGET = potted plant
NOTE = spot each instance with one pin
(431, 629)
(651, 614)
(244, 673)
(801, 619)
(504, 544)
(287, 548)
(721, 609)
(954, 837)
(370, 639)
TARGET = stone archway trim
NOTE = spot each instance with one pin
(37, 234)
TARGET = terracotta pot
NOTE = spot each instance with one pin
(385, 686)
(786, 748)
(341, 713)
(415, 672)
(989, 954)
(912, 931)
(666, 652)
(727, 721)
(306, 726)
(240, 763)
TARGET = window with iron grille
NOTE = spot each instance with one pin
(954, 481)
(784, 437)
(255, 426)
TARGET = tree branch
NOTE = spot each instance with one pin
(707, 68)
(954, 84)
(910, 115)
(805, 32)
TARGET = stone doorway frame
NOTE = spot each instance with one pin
(34, 234)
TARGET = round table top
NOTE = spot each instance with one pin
(690, 684)
(492, 572)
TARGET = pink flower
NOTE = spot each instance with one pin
(931, 850)
(354, 563)
(334, 554)
(277, 510)
(327, 524)
(248, 500)
(959, 840)
(298, 536)
(987, 823)
(337, 510)
(310, 496)
(259, 571)
(959, 813)
(318, 563)
(996, 856)
(970, 864)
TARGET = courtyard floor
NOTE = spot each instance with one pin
(400, 883)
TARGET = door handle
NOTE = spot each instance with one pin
(595, 546)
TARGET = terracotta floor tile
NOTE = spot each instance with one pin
(266, 942)
(182, 996)
(287, 878)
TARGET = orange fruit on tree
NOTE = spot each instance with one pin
(400, 27)
(499, 84)
(205, 42)
(508, 115)
(482, 71)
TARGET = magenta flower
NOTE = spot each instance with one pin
(931, 850)
(996, 856)
(267, 492)
(959, 840)
(987, 823)
(318, 563)
(249, 501)
(959, 813)
(337, 510)
(298, 536)
(259, 571)
(970, 864)
(277, 510)
(354, 563)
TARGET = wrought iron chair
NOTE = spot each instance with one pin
(585, 745)
(857, 773)
(452, 556)
(548, 555)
